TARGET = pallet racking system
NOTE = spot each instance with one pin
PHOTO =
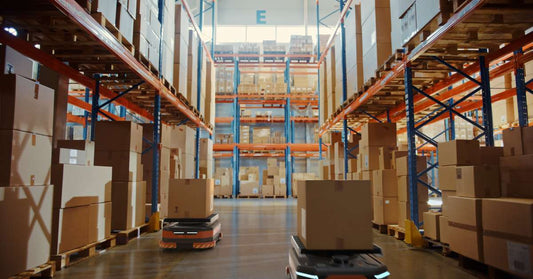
(419, 84)
(87, 49)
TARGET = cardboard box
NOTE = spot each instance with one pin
(508, 217)
(25, 158)
(188, 198)
(403, 190)
(118, 136)
(369, 158)
(467, 242)
(527, 140)
(404, 212)
(126, 165)
(443, 229)
(490, 155)
(384, 183)
(459, 153)
(395, 155)
(512, 142)
(516, 174)
(128, 204)
(508, 255)
(26, 216)
(445, 196)
(378, 134)
(431, 225)
(342, 202)
(81, 185)
(74, 152)
(448, 178)
(385, 158)
(280, 189)
(102, 222)
(385, 210)
(464, 211)
(478, 181)
(267, 190)
(402, 165)
(26, 105)
(12, 62)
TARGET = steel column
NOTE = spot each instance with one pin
(318, 75)
(521, 98)
(86, 113)
(199, 91)
(288, 129)
(411, 132)
(487, 104)
(95, 105)
(236, 129)
(344, 90)
(213, 30)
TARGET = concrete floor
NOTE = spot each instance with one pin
(255, 245)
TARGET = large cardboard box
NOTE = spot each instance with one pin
(280, 189)
(335, 215)
(26, 219)
(249, 188)
(378, 134)
(402, 165)
(25, 158)
(465, 226)
(490, 155)
(448, 178)
(459, 153)
(12, 62)
(464, 211)
(267, 190)
(403, 190)
(126, 165)
(384, 183)
(26, 105)
(84, 154)
(509, 255)
(102, 221)
(385, 210)
(478, 181)
(128, 200)
(188, 198)
(369, 158)
(80, 185)
(118, 136)
(467, 242)
(509, 217)
(516, 174)
(512, 142)
(443, 229)
(432, 225)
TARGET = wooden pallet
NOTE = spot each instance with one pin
(445, 248)
(249, 196)
(46, 270)
(76, 255)
(396, 231)
(123, 237)
(381, 228)
(223, 196)
(100, 18)
(274, 196)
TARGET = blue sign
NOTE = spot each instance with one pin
(261, 17)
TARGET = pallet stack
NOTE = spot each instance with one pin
(223, 182)
(82, 197)
(26, 128)
(249, 181)
(400, 160)
(188, 198)
(118, 144)
(274, 183)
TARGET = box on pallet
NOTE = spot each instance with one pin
(118, 136)
(465, 226)
(128, 204)
(188, 198)
(432, 225)
(318, 222)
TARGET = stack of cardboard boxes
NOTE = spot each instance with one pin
(223, 182)
(400, 163)
(481, 224)
(274, 179)
(341, 202)
(82, 197)
(244, 134)
(249, 181)
(118, 144)
(376, 35)
(206, 158)
(26, 125)
(188, 198)
(181, 46)
(296, 177)
(182, 151)
(261, 135)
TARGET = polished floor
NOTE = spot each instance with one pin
(255, 245)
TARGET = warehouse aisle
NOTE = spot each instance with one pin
(255, 245)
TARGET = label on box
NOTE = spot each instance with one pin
(282, 180)
(518, 257)
(304, 229)
(255, 191)
(73, 153)
(459, 173)
(217, 181)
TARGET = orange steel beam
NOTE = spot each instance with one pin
(260, 96)
(75, 119)
(296, 147)
(267, 155)
(267, 65)
(261, 119)
(264, 55)
(88, 107)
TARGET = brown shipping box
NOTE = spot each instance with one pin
(385, 183)
(26, 105)
(267, 190)
(508, 255)
(126, 165)
(431, 225)
(443, 229)
(402, 165)
(188, 198)
(369, 158)
(26, 219)
(128, 200)
(378, 134)
(459, 153)
(448, 178)
(13, 62)
(467, 242)
(490, 155)
(83, 146)
(280, 189)
(512, 142)
(516, 175)
(118, 136)
(249, 188)
(478, 181)
(80, 185)
(385, 210)
(465, 229)
(403, 190)
(25, 158)
(335, 215)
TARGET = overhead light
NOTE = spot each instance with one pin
(11, 30)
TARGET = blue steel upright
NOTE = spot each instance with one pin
(411, 152)
(86, 113)
(199, 91)
(487, 103)
(318, 76)
(521, 98)
(95, 108)
(344, 92)
(236, 129)
(288, 129)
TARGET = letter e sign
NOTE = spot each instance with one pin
(261, 17)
